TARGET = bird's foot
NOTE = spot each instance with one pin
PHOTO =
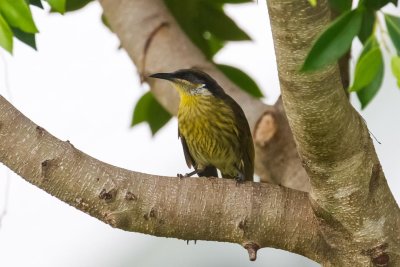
(239, 179)
(187, 174)
(187, 242)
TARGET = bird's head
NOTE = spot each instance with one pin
(192, 82)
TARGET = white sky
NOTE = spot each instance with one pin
(81, 88)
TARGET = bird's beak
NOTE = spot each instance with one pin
(164, 76)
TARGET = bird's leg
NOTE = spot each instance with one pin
(239, 178)
(187, 174)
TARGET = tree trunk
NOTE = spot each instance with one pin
(358, 215)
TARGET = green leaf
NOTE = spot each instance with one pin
(233, 1)
(393, 26)
(148, 110)
(367, 25)
(396, 68)
(375, 4)
(220, 25)
(340, 5)
(57, 5)
(241, 79)
(187, 15)
(214, 44)
(25, 37)
(366, 69)
(206, 24)
(141, 109)
(37, 3)
(371, 43)
(334, 42)
(73, 5)
(18, 14)
(366, 94)
(105, 22)
(313, 3)
(6, 36)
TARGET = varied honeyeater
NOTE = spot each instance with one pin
(212, 127)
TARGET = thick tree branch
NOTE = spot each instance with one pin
(348, 189)
(250, 214)
(155, 43)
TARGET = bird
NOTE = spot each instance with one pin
(212, 127)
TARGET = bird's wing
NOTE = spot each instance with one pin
(188, 157)
(246, 140)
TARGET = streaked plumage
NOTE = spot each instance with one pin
(212, 127)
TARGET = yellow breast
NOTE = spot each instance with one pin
(209, 128)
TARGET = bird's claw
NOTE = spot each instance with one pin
(189, 174)
(240, 179)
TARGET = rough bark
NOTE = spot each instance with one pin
(251, 214)
(350, 217)
(344, 61)
(279, 150)
(358, 215)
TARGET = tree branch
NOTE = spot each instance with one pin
(279, 151)
(349, 192)
(250, 214)
(155, 43)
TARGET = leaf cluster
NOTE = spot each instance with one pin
(337, 38)
(16, 19)
(204, 21)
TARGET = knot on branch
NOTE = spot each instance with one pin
(265, 129)
(108, 195)
(378, 255)
(40, 131)
(252, 249)
(242, 225)
(130, 196)
(151, 214)
(69, 143)
(45, 165)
